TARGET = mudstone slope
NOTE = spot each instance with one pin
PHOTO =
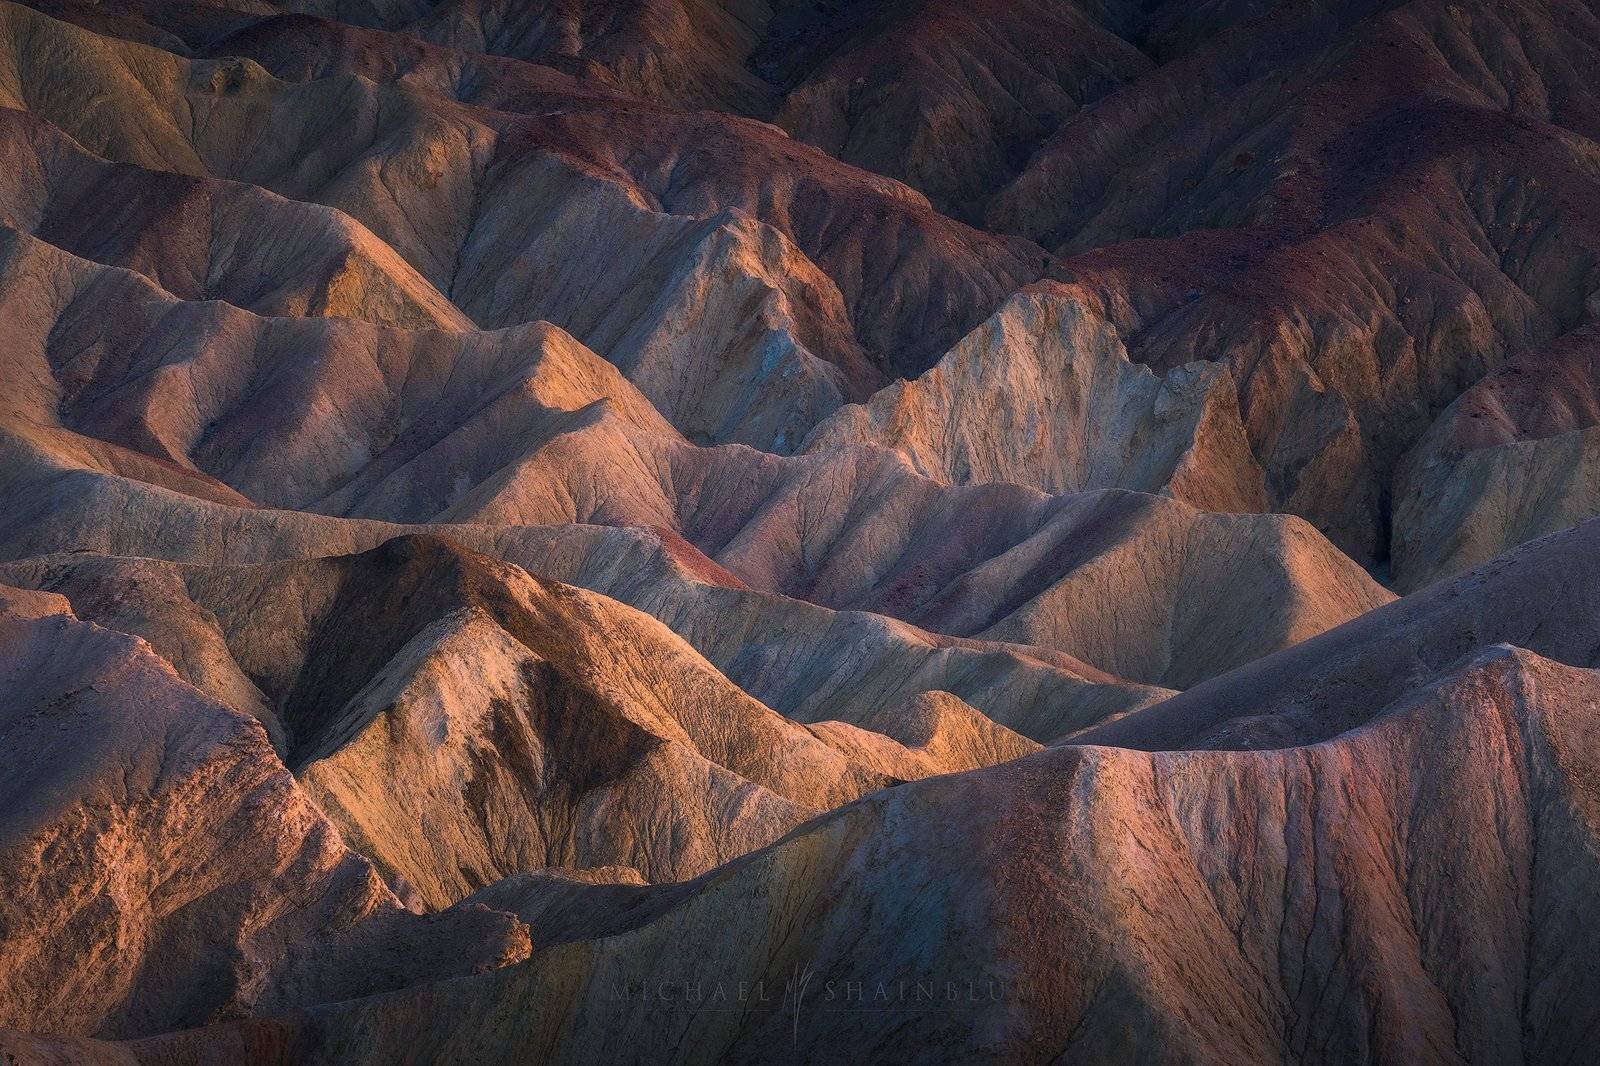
(758, 531)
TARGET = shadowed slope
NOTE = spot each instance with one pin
(950, 98)
(809, 662)
(506, 587)
(1543, 596)
(525, 427)
(711, 209)
(1043, 394)
(1415, 885)
(208, 240)
(1516, 456)
(1359, 208)
(461, 720)
(454, 752)
(160, 866)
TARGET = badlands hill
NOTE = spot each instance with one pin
(1019, 531)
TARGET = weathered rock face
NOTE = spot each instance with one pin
(161, 867)
(468, 759)
(996, 563)
(793, 263)
(950, 98)
(934, 733)
(290, 412)
(461, 721)
(813, 664)
(532, 725)
(200, 239)
(1417, 885)
(742, 284)
(519, 514)
(525, 426)
(808, 662)
(1043, 394)
(1361, 210)
(1544, 596)
(1513, 458)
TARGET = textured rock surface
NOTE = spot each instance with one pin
(461, 721)
(807, 661)
(525, 426)
(762, 531)
(200, 239)
(1544, 596)
(1359, 208)
(854, 530)
(1516, 456)
(1417, 885)
(948, 97)
(934, 733)
(713, 213)
(1043, 394)
(160, 866)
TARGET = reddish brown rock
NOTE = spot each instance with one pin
(1417, 885)
(161, 867)
(501, 530)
